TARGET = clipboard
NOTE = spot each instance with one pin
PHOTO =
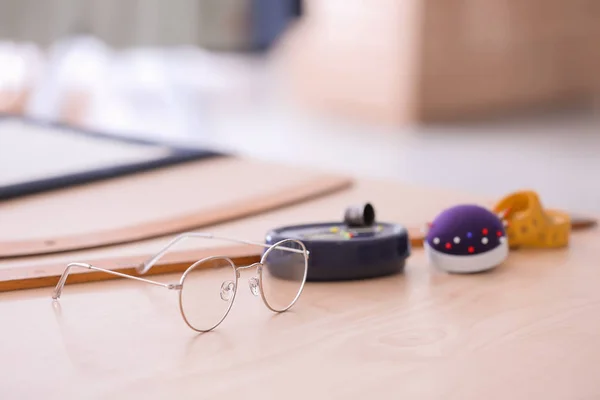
(39, 156)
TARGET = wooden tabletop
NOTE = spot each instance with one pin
(527, 330)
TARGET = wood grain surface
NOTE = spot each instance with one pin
(528, 329)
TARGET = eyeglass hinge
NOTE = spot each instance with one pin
(174, 286)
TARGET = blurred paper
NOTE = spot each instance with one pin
(63, 152)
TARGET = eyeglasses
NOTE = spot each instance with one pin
(207, 289)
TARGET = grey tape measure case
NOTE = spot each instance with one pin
(339, 251)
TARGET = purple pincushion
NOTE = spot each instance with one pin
(466, 230)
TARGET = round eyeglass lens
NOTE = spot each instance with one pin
(207, 293)
(283, 274)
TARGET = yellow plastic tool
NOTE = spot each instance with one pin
(528, 224)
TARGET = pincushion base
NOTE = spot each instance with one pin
(467, 264)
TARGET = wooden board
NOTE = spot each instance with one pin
(47, 275)
(154, 204)
(526, 330)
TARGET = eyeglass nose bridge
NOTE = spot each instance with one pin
(258, 265)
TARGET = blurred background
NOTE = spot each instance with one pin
(482, 96)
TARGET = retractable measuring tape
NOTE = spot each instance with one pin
(357, 248)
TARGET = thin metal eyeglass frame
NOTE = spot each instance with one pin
(277, 246)
(148, 264)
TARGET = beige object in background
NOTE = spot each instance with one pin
(405, 61)
(351, 57)
(13, 101)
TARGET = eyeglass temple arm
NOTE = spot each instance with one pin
(146, 265)
(63, 278)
